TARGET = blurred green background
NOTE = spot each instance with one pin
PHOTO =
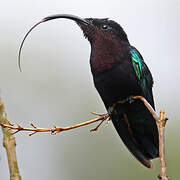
(56, 87)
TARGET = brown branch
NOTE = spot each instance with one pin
(10, 144)
(55, 129)
(161, 122)
(149, 107)
(161, 125)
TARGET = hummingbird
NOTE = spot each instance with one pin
(119, 73)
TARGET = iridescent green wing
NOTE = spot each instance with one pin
(142, 71)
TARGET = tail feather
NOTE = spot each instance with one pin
(130, 142)
(138, 131)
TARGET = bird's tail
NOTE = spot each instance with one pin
(138, 130)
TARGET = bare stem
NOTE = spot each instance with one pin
(10, 145)
(55, 129)
(161, 125)
(161, 122)
(149, 107)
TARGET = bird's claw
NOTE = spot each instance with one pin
(110, 110)
(130, 99)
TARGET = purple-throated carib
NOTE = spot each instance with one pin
(119, 72)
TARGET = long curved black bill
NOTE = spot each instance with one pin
(48, 18)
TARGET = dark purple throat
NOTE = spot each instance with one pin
(104, 52)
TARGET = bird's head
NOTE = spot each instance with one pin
(95, 30)
(102, 29)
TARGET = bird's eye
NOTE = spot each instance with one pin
(104, 27)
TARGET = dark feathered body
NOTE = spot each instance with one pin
(119, 72)
(133, 121)
(117, 79)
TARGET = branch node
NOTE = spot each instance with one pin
(33, 126)
(20, 128)
(102, 117)
(15, 132)
(96, 128)
(163, 178)
(32, 133)
(98, 114)
(9, 123)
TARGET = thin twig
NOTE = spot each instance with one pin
(55, 129)
(149, 107)
(96, 128)
(161, 123)
(10, 145)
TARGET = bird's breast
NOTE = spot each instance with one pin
(116, 83)
(104, 53)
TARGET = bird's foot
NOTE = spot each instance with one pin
(110, 110)
(130, 99)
